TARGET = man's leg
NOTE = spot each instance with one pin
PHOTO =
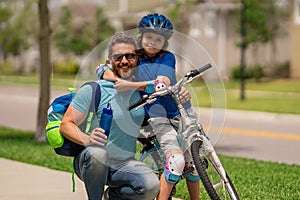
(91, 167)
(132, 180)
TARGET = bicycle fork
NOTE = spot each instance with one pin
(208, 149)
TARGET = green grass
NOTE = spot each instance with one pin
(257, 180)
(33, 80)
(20, 145)
(276, 85)
(253, 179)
(279, 96)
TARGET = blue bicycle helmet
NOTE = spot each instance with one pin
(156, 23)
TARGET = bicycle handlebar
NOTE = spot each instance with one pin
(139, 102)
(146, 99)
(196, 72)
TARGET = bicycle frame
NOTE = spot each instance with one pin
(193, 133)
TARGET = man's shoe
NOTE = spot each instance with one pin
(106, 194)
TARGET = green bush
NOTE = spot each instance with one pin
(251, 72)
(66, 67)
(6, 68)
(256, 72)
(282, 70)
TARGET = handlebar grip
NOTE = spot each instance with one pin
(204, 68)
(139, 102)
(196, 72)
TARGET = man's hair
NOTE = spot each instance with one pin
(121, 38)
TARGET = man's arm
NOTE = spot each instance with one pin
(69, 128)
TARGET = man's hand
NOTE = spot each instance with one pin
(184, 95)
(97, 137)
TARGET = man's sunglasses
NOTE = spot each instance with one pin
(128, 56)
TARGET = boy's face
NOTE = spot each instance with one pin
(152, 43)
(123, 59)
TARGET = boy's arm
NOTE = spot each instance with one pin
(105, 72)
(110, 76)
(147, 86)
(184, 94)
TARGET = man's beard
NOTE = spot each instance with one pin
(127, 75)
(124, 75)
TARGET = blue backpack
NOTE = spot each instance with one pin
(56, 111)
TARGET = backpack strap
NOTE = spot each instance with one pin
(96, 97)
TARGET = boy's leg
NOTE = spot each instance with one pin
(192, 180)
(165, 189)
(167, 138)
(194, 189)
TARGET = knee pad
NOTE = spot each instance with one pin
(175, 164)
(174, 167)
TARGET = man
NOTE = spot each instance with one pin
(110, 160)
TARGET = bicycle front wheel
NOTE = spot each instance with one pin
(217, 185)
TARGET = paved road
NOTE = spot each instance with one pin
(258, 135)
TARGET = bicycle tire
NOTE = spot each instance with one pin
(207, 180)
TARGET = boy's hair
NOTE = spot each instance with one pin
(121, 38)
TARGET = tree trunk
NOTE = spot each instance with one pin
(243, 51)
(45, 69)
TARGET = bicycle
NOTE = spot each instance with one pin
(206, 161)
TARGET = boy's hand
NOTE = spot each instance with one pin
(123, 85)
(184, 95)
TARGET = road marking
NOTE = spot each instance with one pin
(266, 134)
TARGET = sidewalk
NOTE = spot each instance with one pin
(31, 182)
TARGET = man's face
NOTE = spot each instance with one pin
(123, 59)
